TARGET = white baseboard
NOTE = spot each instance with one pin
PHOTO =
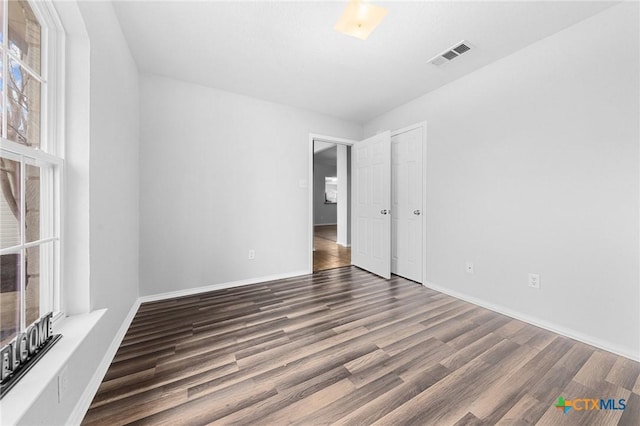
(221, 286)
(82, 406)
(324, 224)
(343, 244)
(567, 332)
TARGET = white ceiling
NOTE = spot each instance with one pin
(288, 52)
(327, 156)
(319, 146)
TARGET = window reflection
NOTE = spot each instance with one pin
(24, 34)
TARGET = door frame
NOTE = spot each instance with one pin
(320, 138)
(423, 125)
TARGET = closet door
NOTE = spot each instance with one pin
(406, 195)
(371, 198)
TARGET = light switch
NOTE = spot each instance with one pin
(534, 280)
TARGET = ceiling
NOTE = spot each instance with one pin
(288, 52)
(327, 155)
(319, 146)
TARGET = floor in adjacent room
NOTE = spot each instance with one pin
(345, 346)
(327, 253)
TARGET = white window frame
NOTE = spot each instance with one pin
(51, 153)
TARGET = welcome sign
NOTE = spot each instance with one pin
(23, 352)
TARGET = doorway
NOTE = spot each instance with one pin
(330, 207)
(387, 224)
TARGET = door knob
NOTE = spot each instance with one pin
(383, 211)
(416, 212)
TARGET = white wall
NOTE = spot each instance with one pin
(343, 207)
(209, 165)
(110, 182)
(533, 167)
(323, 214)
(114, 162)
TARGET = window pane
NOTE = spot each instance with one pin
(24, 34)
(9, 297)
(23, 107)
(1, 21)
(9, 203)
(32, 283)
(32, 203)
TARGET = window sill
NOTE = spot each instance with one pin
(74, 330)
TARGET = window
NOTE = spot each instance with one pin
(331, 190)
(30, 170)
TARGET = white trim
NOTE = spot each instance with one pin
(310, 224)
(425, 222)
(325, 224)
(17, 248)
(82, 406)
(331, 139)
(23, 254)
(26, 151)
(555, 328)
(221, 286)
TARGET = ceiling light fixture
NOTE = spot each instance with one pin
(360, 18)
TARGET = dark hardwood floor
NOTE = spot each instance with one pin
(327, 253)
(344, 346)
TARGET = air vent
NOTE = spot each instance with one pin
(450, 54)
(461, 49)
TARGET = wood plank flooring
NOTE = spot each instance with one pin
(328, 254)
(346, 347)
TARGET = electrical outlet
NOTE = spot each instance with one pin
(63, 383)
(468, 266)
(252, 254)
(534, 281)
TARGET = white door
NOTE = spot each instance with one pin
(406, 190)
(371, 198)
